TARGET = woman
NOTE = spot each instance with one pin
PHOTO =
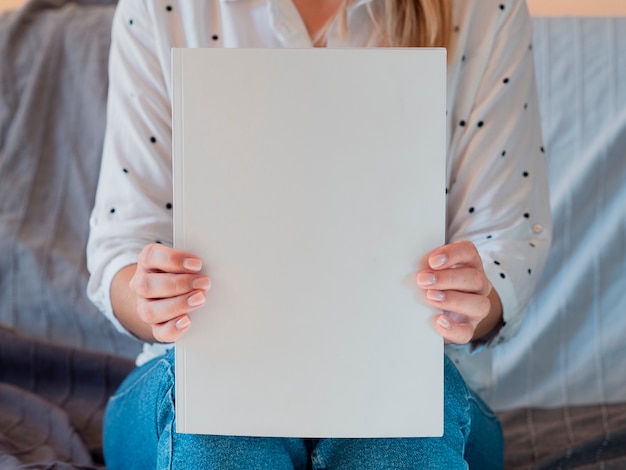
(498, 223)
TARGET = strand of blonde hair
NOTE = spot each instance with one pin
(407, 23)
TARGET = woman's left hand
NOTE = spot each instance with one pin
(455, 283)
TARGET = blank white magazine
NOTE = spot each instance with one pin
(311, 182)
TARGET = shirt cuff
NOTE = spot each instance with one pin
(511, 312)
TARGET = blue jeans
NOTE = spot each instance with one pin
(140, 432)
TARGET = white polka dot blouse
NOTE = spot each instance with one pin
(497, 195)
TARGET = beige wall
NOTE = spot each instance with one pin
(537, 7)
(577, 7)
(8, 4)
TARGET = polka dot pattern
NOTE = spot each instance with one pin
(510, 156)
(490, 94)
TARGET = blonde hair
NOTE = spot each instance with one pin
(409, 23)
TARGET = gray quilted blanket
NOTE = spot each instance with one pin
(57, 374)
(53, 84)
(52, 400)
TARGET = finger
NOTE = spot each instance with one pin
(172, 330)
(163, 310)
(461, 253)
(452, 331)
(460, 279)
(157, 257)
(473, 306)
(151, 285)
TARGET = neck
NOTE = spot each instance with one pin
(316, 14)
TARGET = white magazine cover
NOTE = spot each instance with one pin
(311, 182)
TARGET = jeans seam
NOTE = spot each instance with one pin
(144, 376)
(167, 400)
(466, 428)
(170, 430)
(486, 411)
(316, 460)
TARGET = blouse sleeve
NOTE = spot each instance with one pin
(133, 205)
(497, 183)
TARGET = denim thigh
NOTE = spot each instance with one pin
(472, 439)
(140, 433)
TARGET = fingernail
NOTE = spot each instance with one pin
(183, 323)
(437, 260)
(202, 283)
(436, 295)
(444, 322)
(192, 264)
(426, 279)
(196, 299)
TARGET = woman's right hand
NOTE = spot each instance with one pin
(167, 286)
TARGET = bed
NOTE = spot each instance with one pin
(559, 387)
